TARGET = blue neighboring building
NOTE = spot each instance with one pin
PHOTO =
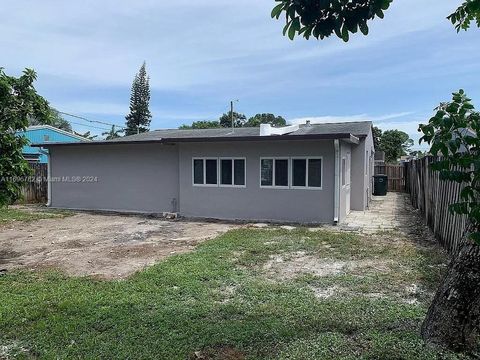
(43, 134)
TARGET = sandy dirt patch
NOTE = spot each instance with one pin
(106, 246)
(293, 265)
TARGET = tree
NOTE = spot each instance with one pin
(271, 119)
(56, 120)
(466, 13)
(377, 135)
(395, 143)
(204, 124)
(322, 18)
(113, 133)
(86, 135)
(453, 318)
(138, 120)
(238, 119)
(19, 102)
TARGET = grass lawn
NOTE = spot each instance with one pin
(250, 293)
(10, 214)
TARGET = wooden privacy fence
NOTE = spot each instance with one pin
(396, 176)
(36, 188)
(432, 196)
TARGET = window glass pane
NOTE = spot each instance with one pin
(344, 172)
(226, 172)
(281, 172)
(266, 172)
(315, 172)
(211, 171)
(299, 168)
(198, 171)
(239, 172)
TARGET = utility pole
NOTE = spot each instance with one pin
(231, 116)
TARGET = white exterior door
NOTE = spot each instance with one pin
(347, 187)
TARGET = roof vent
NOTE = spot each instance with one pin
(268, 130)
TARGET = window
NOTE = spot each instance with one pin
(274, 173)
(232, 172)
(205, 172)
(307, 173)
(292, 173)
(344, 171)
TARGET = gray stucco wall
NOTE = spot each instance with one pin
(140, 178)
(254, 202)
(362, 171)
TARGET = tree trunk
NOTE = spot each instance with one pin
(453, 317)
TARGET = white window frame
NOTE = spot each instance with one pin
(290, 173)
(204, 171)
(274, 158)
(344, 174)
(306, 187)
(233, 171)
(348, 161)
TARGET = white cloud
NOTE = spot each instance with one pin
(348, 118)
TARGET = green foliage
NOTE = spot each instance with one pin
(56, 120)
(377, 134)
(19, 102)
(138, 120)
(395, 143)
(113, 133)
(86, 135)
(466, 13)
(271, 119)
(238, 119)
(322, 18)
(204, 124)
(452, 133)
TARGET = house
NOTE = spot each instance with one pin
(310, 173)
(44, 134)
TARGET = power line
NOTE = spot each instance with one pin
(91, 121)
(89, 126)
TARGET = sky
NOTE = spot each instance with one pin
(201, 54)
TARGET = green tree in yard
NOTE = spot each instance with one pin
(239, 120)
(271, 119)
(19, 102)
(322, 18)
(204, 124)
(395, 143)
(377, 135)
(86, 135)
(138, 120)
(454, 315)
(113, 133)
(56, 120)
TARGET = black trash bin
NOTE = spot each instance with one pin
(380, 185)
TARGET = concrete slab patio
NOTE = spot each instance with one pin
(386, 213)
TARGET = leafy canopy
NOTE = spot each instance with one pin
(395, 143)
(322, 18)
(452, 133)
(466, 13)
(113, 133)
(240, 121)
(271, 119)
(19, 102)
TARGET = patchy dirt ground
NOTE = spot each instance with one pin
(106, 246)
